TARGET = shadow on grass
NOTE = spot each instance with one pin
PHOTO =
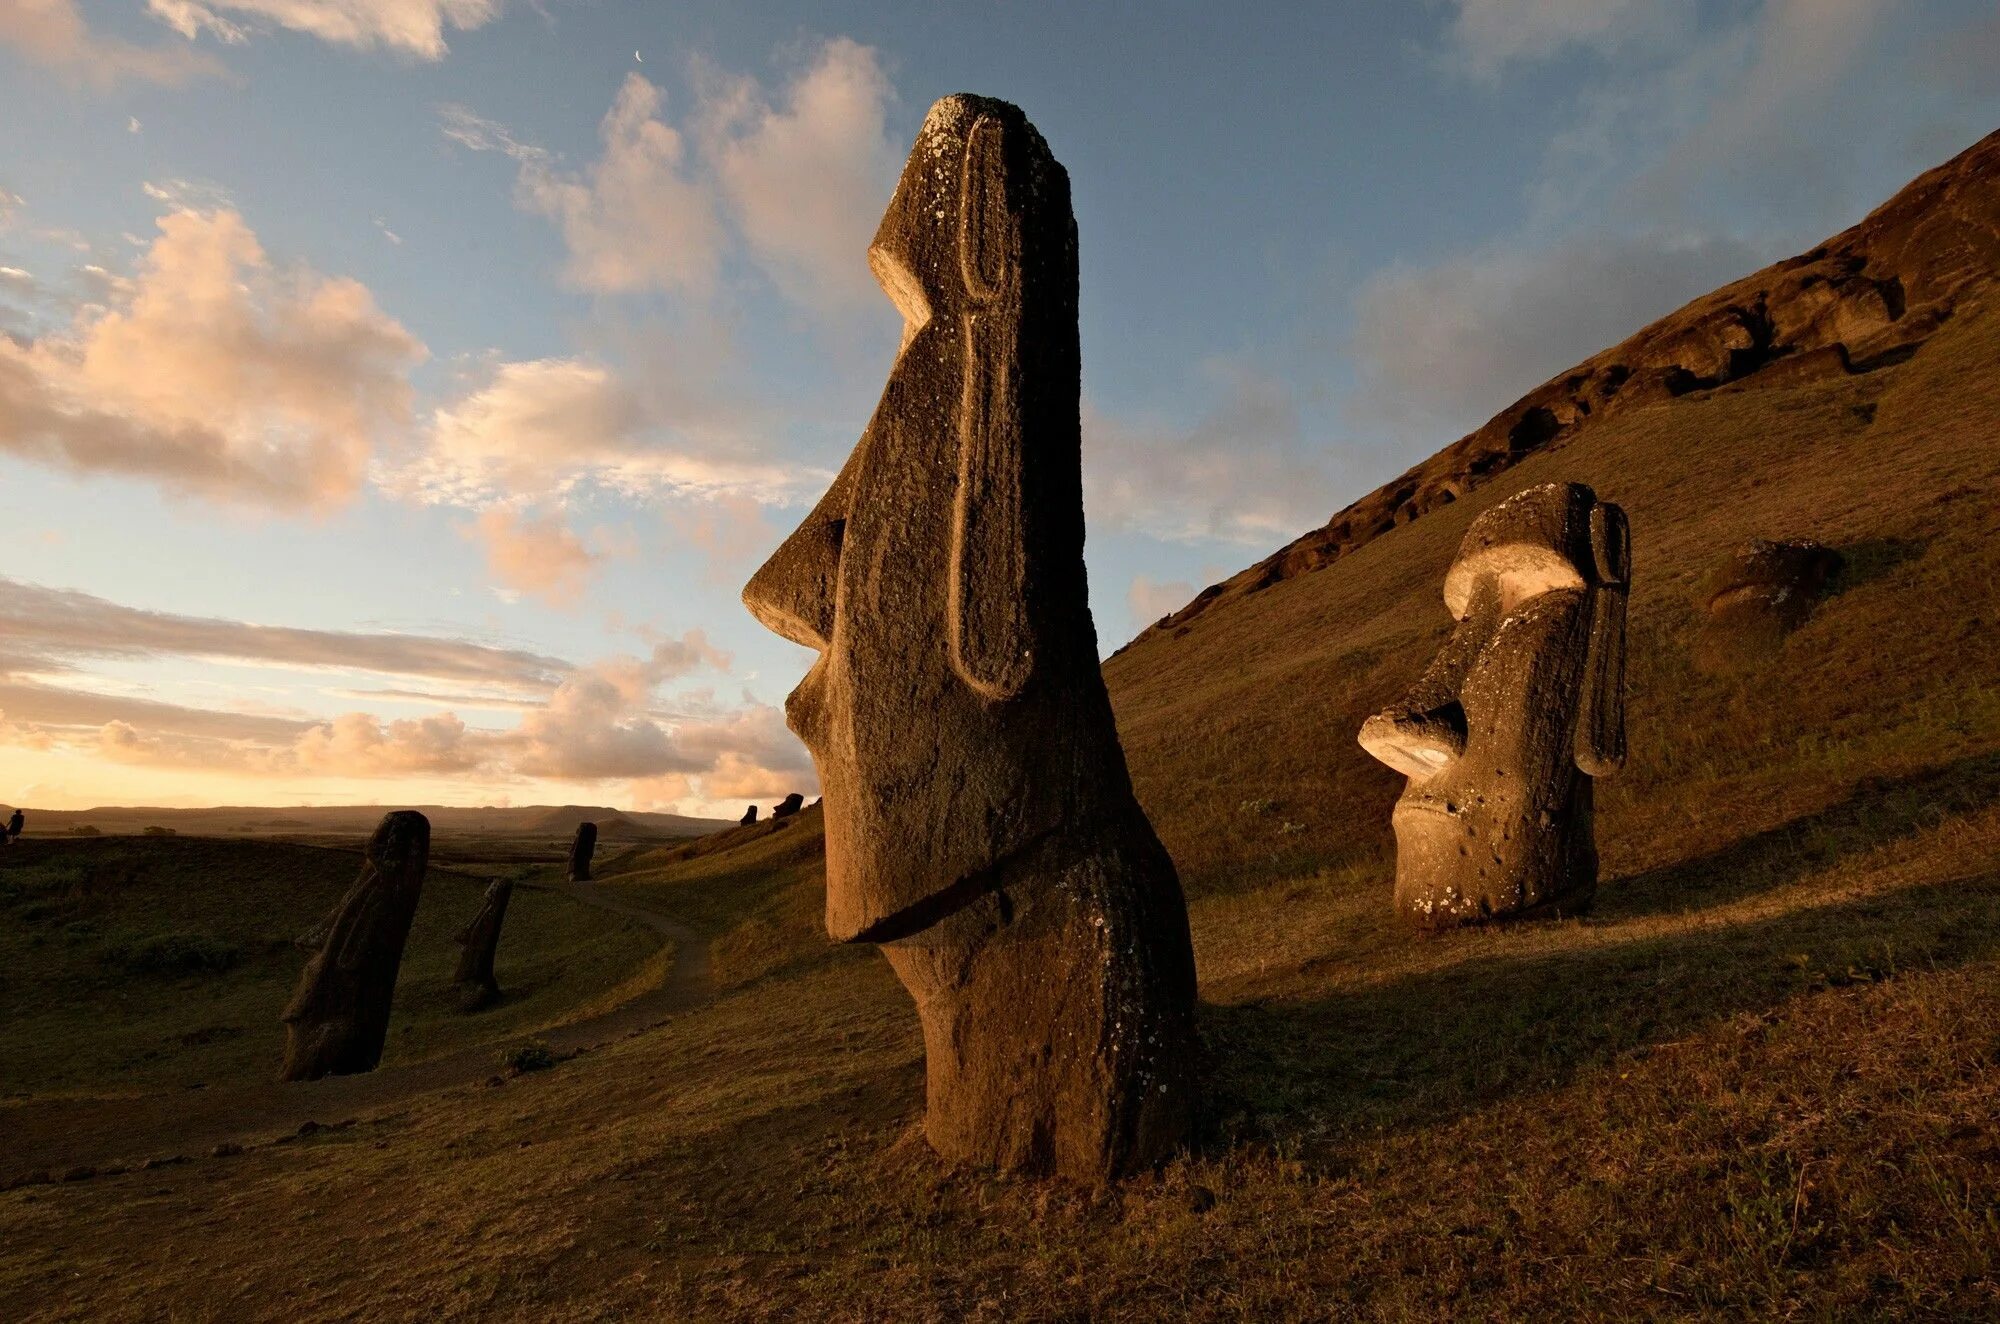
(1428, 1049)
(1876, 811)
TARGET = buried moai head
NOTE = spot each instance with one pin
(337, 1020)
(1502, 734)
(1758, 594)
(979, 819)
(941, 577)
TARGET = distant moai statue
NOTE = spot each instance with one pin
(788, 806)
(339, 1017)
(581, 848)
(15, 823)
(980, 822)
(749, 817)
(1761, 592)
(477, 986)
(1523, 706)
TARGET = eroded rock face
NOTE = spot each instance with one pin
(788, 806)
(336, 1022)
(980, 823)
(749, 816)
(581, 848)
(1523, 706)
(480, 939)
(1761, 593)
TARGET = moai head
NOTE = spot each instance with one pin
(956, 713)
(1524, 704)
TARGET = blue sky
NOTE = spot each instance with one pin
(523, 330)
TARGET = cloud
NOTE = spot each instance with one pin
(544, 425)
(536, 555)
(215, 375)
(53, 34)
(407, 27)
(1484, 37)
(1439, 349)
(805, 179)
(47, 710)
(1242, 472)
(799, 173)
(50, 629)
(1149, 600)
(633, 219)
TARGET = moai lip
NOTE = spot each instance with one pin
(980, 822)
(1524, 705)
(339, 1017)
(581, 848)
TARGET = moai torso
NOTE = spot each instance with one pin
(980, 822)
(1524, 705)
(339, 1016)
(480, 940)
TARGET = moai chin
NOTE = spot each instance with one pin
(480, 940)
(980, 822)
(581, 848)
(339, 1017)
(1525, 705)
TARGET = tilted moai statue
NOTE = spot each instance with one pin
(749, 817)
(340, 1015)
(1525, 704)
(581, 848)
(980, 822)
(788, 806)
(480, 939)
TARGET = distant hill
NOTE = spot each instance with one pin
(239, 820)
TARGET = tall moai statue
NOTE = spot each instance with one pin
(980, 822)
(480, 939)
(581, 848)
(338, 1019)
(1525, 705)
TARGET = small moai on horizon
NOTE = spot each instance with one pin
(581, 848)
(1524, 705)
(788, 806)
(749, 817)
(480, 939)
(15, 822)
(339, 1017)
(980, 821)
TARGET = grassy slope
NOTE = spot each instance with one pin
(79, 1010)
(1762, 1080)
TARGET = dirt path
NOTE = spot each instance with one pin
(46, 1138)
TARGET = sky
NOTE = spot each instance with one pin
(396, 394)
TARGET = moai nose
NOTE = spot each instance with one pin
(793, 593)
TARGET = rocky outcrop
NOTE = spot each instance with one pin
(1866, 298)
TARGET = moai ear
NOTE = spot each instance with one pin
(992, 642)
(1600, 718)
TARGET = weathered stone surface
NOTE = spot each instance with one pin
(1762, 592)
(788, 806)
(980, 822)
(749, 816)
(480, 939)
(337, 1020)
(1523, 706)
(581, 848)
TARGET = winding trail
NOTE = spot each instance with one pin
(41, 1139)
